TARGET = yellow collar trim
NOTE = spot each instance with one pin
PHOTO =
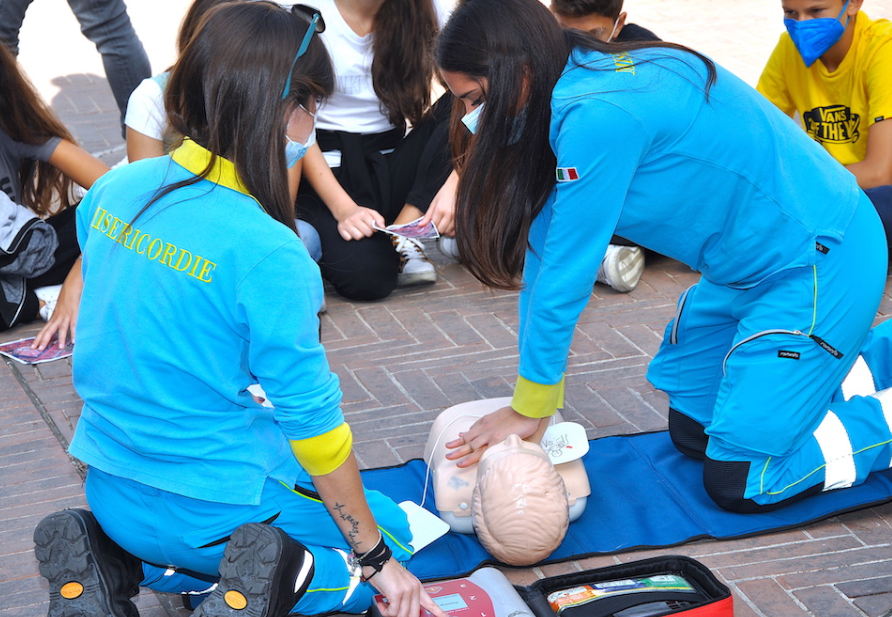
(195, 159)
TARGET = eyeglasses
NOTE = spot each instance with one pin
(317, 24)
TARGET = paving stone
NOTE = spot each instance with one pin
(879, 605)
(768, 596)
(827, 602)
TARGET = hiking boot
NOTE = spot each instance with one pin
(415, 268)
(89, 575)
(622, 267)
(264, 572)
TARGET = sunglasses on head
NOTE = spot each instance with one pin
(317, 24)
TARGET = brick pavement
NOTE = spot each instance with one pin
(403, 360)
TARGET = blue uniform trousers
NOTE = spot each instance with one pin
(759, 371)
(181, 540)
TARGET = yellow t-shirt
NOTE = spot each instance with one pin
(838, 108)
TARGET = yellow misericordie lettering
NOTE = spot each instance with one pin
(208, 267)
(136, 233)
(115, 227)
(150, 249)
(169, 251)
(125, 232)
(105, 223)
(166, 253)
(183, 253)
(97, 216)
(198, 260)
(139, 242)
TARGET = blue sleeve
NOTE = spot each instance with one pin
(279, 303)
(601, 145)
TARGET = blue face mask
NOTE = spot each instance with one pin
(471, 119)
(295, 151)
(813, 37)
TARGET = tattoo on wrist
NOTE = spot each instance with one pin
(353, 532)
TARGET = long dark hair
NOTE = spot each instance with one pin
(27, 119)
(225, 93)
(508, 169)
(402, 63)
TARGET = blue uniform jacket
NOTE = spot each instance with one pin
(725, 183)
(184, 308)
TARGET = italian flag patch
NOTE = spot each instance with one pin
(566, 174)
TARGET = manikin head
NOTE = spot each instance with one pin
(520, 503)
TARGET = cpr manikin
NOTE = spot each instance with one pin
(519, 503)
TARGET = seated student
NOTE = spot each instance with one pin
(623, 262)
(40, 166)
(367, 169)
(181, 257)
(833, 67)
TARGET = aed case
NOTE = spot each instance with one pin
(487, 593)
(710, 597)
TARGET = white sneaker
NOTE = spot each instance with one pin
(622, 267)
(449, 247)
(49, 295)
(415, 268)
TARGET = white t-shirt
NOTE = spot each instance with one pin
(145, 109)
(354, 107)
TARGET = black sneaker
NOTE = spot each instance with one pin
(89, 575)
(264, 572)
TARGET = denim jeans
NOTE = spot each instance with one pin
(107, 25)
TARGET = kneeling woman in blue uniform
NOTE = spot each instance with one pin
(197, 286)
(575, 140)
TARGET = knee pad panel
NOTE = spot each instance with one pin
(687, 434)
(725, 483)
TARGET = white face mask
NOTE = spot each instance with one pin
(471, 119)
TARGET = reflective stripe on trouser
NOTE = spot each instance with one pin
(853, 439)
(760, 367)
(163, 528)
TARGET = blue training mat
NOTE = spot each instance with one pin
(645, 494)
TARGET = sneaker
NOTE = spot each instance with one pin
(415, 268)
(88, 573)
(449, 247)
(622, 267)
(264, 572)
(50, 296)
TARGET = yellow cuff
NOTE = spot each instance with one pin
(323, 454)
(535, 400)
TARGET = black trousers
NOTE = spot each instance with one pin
(421, 161)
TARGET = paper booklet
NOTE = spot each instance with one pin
(21, 351)
(412, 230)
